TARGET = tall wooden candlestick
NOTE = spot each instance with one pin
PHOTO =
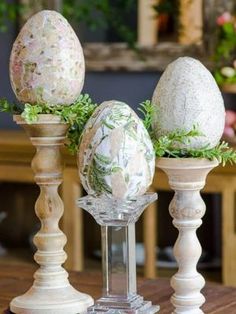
(187, 177)
(51, 292)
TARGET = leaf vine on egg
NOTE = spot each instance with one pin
(165, 146)
(76, 115)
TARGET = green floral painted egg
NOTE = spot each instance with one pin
(47, 62)
(116, 155)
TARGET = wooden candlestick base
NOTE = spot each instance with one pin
(187, 177)
(51, 292)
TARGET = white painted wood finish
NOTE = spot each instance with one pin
(187, 177)
(51, 292)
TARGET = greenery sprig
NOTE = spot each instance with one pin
(167, 145)
(5, 106)
(147, 110)
(76, 115)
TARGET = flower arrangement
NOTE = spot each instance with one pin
(225, 55)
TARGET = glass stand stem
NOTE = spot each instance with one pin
(119, 265)
(119, 274)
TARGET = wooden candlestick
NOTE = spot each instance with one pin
(187, 177)
(51, 292)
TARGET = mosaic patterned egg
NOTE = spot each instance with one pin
(116, 155)
(188, 95)
(47, 62)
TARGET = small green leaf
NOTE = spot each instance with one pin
(115, 169)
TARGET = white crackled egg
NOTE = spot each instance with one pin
(116, 155)
(47, 62)
(188, 95)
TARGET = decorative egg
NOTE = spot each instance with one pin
(186, 96)
(116, 155)
(47, 62)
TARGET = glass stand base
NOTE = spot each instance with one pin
(136, 305)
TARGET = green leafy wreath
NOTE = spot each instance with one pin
(76, 115)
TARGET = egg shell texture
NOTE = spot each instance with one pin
(188, 95)
(47, 62)
(116, 155)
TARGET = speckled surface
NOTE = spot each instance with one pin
(47, 62)
(116, 155)
(188, 95)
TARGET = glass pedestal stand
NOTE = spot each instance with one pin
(117, 219)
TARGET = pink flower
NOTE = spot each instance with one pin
(229, 132)
(226, 17)
(230, 118)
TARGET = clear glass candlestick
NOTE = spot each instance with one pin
(117, 219)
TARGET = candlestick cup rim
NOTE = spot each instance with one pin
(191, 163)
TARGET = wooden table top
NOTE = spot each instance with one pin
(15, 280)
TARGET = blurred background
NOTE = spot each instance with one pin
(127, 45)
